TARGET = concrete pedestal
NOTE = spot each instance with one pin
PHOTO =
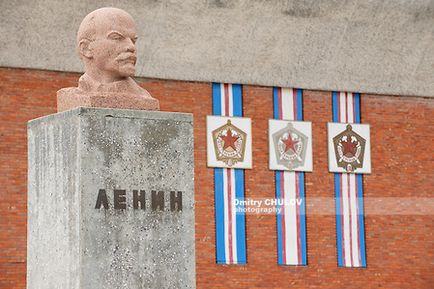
(111, 200)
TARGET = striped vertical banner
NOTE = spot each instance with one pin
(350, 229)
(228, 186)
(291, 220)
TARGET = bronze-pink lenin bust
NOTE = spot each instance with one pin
(106, 43)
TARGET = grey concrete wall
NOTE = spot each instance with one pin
(53, 247)
(377, 46)
(74, 245)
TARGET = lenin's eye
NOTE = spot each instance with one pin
(115, 36)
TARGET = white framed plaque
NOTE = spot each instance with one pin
(349, 148)
(290, 145)
(229, 142)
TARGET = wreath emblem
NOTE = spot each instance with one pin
(349, 149)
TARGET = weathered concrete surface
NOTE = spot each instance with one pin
(379, 46)
(73, 155)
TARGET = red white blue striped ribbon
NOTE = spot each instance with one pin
(349, 193)
(229, 186)
(291, 220)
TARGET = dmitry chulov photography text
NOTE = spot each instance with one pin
(265, 205)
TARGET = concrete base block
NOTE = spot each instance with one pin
(111, 200)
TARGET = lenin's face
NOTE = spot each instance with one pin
(114, 50)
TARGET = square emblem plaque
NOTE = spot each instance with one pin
(349, 148)
(229, 142)
(290, 145)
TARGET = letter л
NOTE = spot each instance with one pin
(101, 200)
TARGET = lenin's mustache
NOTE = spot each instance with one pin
(127, 57)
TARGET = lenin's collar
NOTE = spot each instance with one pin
(87, 83)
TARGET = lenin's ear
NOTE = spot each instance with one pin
(84, 48)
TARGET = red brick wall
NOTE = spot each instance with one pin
(400, 248)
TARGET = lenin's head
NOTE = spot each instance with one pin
(106, 44)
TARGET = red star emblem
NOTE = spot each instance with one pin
(348, 147)
(289, 144)
(229, 140)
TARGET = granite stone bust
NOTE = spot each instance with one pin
(106, 45)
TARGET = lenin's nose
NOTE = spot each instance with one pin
(131, 47)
